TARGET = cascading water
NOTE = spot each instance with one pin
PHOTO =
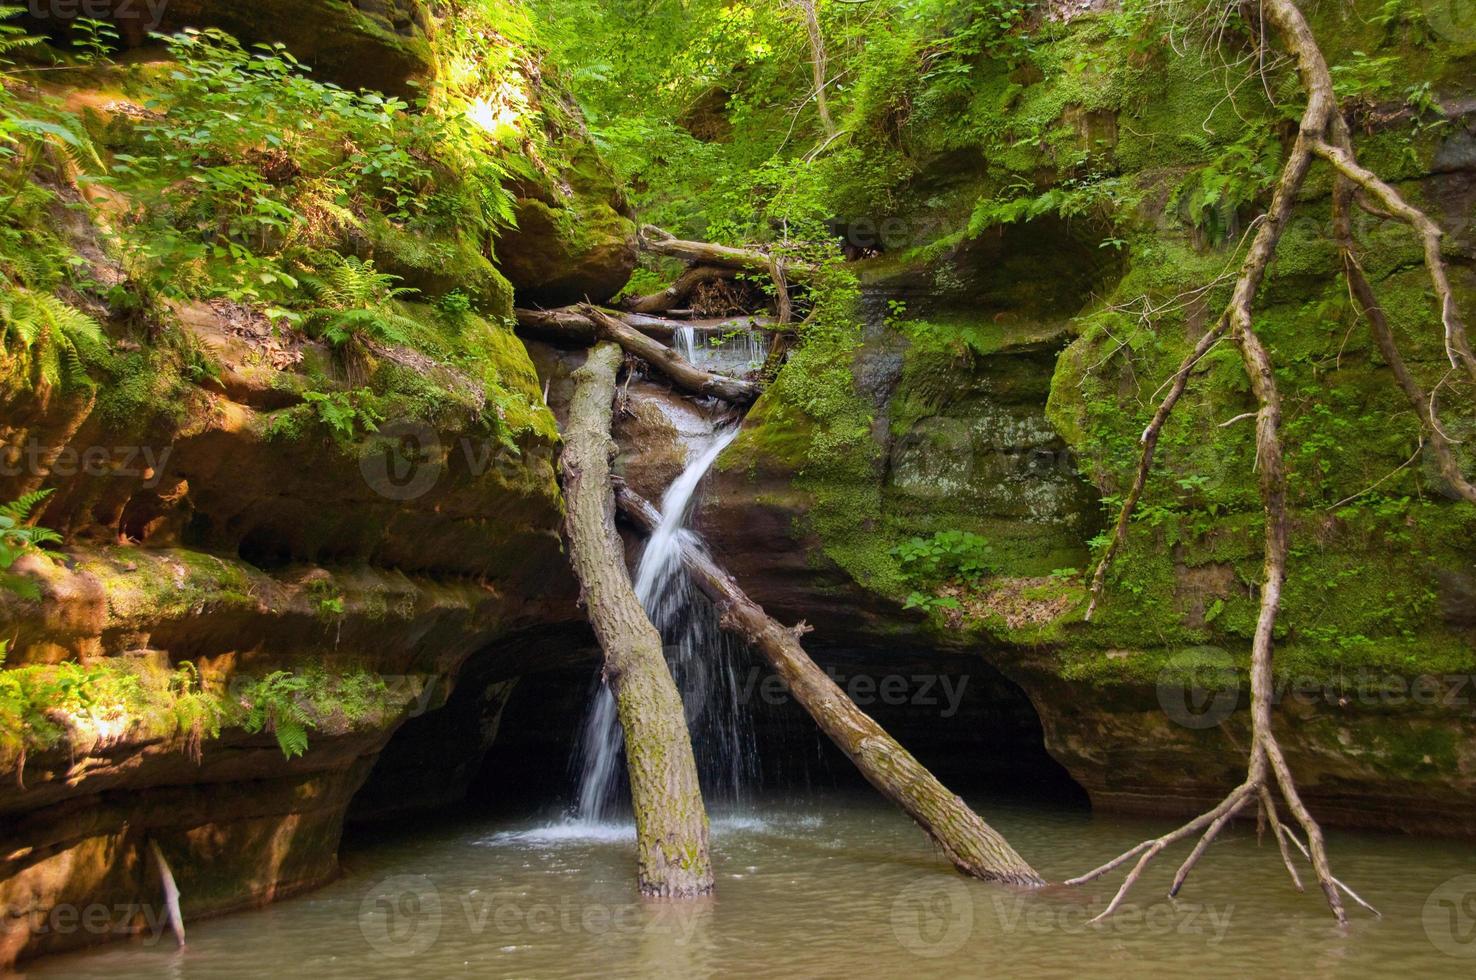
(703, 661)
(726, 351)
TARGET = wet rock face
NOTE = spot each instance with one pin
(240, 824)
(965, 443)
(1167, 748)
(234, 838)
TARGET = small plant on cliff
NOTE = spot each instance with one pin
(948, 556)
(17, 539)
(960, 558)
(276, 703)
(43, 339)
(355, 310)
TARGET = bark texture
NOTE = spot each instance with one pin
(971, 844)
(752, 260)
(671, 822)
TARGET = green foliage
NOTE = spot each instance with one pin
(18, 539)
(31, 698)
(356, 310)
(948, 556)
(278, 703)
(248, 163)
(344, 415)
(290, 704)
(43, 339)
(1213, 197)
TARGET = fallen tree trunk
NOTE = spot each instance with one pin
(581, 326)
(567, 326)
(680, 371)
(653, 239)
(563, 327)
(677, 293)
(971, 844)
(671, 821)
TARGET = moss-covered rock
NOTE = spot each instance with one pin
(1040, 330)
(373, 44)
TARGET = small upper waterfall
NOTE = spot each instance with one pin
(703, 663)
(733, 351)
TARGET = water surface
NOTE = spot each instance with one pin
(837, 886)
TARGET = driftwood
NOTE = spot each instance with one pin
(171, 894)
(971, 844)
(673, 860)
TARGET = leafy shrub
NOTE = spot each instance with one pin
(948, 556)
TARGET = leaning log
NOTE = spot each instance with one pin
(170, 892)
(658, 242)
(665, 330)
(564, 327)
(671, 822)
(972, 845)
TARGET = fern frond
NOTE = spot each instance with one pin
(20, 510)
(42, 333)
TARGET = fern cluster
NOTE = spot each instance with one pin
(355, 308)
(17, 539)
(290, 704)
(42, 338)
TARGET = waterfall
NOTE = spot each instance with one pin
(736, 352)
(703, 661)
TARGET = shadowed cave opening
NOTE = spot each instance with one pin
(506, 742)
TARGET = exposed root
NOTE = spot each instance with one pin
(1457, 346)
(1268, 810)
(1268, 767)
(1383, 334)
(1287, 833)
(1149, 440)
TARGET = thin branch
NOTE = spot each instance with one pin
(1457, 347)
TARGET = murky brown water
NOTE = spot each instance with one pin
(842, 886)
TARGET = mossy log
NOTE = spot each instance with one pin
(568, 327)
(671, 822)
(972, 845)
